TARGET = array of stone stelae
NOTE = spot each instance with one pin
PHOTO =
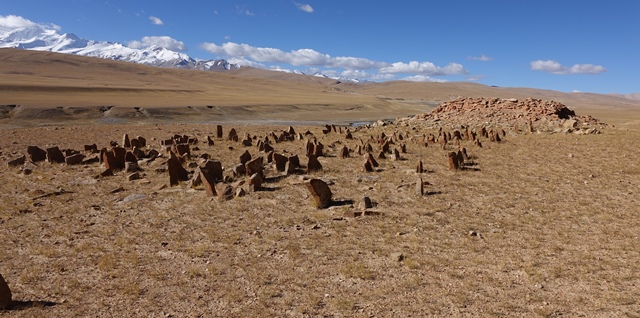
(252, 171)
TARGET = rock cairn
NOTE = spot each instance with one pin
(521, 114)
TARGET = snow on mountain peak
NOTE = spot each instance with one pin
(17, 32)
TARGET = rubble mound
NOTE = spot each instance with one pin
(544, 115)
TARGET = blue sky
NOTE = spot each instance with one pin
(564, 45)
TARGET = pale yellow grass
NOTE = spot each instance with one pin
(556, 218)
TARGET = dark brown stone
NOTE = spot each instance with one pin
(255, 181)
(233, 135)
(219, 133)
(320, 192)
(371, 160)
(210, 141)
(313, 164)
(255, 166)
(295, 161)
(5, 294)
(36, 154)
(177, 173)
(17, 162)
(280, 161)
(344, 152)
(420, 168)
(74, 159)
(419, 187)
(213, 170)
(126, 143)
(54, 155)
(453, 160)
(245, 157)
(239, 170)
(91, 148)
(367, 167)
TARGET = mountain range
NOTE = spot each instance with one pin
(43, 38)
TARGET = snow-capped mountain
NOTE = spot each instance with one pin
(47, 38)
(318, 74)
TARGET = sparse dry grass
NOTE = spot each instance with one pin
(556, 217)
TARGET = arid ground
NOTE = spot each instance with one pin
(541, 224)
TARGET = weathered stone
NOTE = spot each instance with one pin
(344, 152)
(54, 155)
(247, 142)
(126, 143)
(182, 150)
(255, 166)
(36, 154)
(224, 191)
(419, 187)
(313, 164)
(208, 181)
(177, 173)
(17, 162)
(131, 166)
(133, 176)
(295, 161)
(320, 192)
(255, 181)
(239, 170)
(5, 294)
(240, 192)
(366, 203)
(371, 160)
(213, 170)
(367, 167)
(318, 149)
(245, 157)
(142, 142)
(395, 155)
(233, 135)
(420, 168)
(280, 161)
(219, 133)
(74, 159)
(210, 141)
(120, 154)
(453, 160)
(91, 148)
(268, 148)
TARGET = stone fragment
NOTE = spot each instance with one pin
(366, 203)
(126, 143)
(245, 157)
(74, 159)
(5, 294)
(255, 166)
(419, 187)
(17, 162)
(177, 173)
(255, 181)
(219, 133)
(453, 160)
(91, 148)
(224, 191)
(133, 176)
(36, 154)
(320, 192)
(54, 155)
(344, 152)
(313, 164)
(280, 161)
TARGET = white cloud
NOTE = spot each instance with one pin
(481, 58)
(476, 77)
(423, 78)
(553, 67)
(301, 57)
(11, 22)
(351, 66)
(304, 7)
(244, 11)
(162, 41)
(156, 20)
(424, 68)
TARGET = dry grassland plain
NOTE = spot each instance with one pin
(542, 225)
